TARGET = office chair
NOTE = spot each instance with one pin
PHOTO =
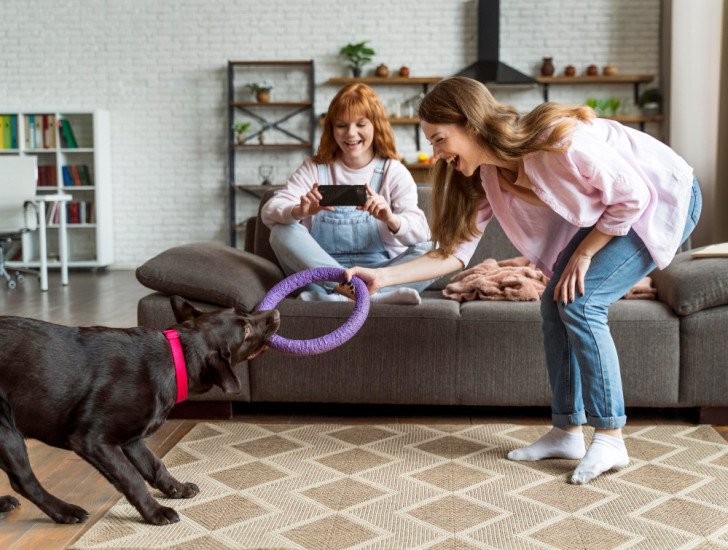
(18, 211)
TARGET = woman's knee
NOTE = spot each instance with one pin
(282, 234)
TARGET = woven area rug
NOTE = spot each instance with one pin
(402, 486)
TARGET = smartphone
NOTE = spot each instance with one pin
(342, 195)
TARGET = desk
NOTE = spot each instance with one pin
(40, 201)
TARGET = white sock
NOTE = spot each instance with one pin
(605, 452)
(557, 443)
(313, 296)
(402, 295)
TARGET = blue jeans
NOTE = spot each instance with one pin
(296, 250)
(580, 354)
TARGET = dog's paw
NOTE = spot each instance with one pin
(190, 490)
(181, 490)
(163, 516)
(8, 503)
(68, 513)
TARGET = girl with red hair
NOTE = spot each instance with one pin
(356, 148)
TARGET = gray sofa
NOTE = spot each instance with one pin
(674, 350)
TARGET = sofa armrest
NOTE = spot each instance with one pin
(689, 285)
(211, 272)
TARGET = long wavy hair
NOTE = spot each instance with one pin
(356, 100)
(499, 129)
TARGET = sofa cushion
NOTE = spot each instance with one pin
(689, 285)
(211, 272)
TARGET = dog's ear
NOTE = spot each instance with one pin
(223, 374)
(183, 310)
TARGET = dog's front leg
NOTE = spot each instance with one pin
(113, 464)
(154, 471)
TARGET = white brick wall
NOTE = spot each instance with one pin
(159, 67)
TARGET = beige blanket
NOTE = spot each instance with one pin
(516, 280)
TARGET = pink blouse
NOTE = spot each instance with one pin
(612, 176)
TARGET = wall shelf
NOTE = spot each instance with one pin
(638, 79)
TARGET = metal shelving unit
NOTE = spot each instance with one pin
(257, 111)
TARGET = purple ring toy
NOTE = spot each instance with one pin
(332, 339)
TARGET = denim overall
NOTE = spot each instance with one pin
(349, 235)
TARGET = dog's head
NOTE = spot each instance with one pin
(224, 338)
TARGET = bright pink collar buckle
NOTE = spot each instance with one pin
(179, 364)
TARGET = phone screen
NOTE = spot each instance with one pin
(342, 195)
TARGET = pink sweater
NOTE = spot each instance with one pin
(397, 187)
(613, 176)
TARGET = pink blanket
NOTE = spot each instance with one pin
(516, 280)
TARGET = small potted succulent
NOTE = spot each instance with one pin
(240, 128)
(358, 55)
(261, 90)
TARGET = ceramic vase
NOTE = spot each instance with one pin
(609, 70)
(547, 69)
(263, 97)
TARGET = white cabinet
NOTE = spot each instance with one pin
(81, 169)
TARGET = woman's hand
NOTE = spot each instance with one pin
(577, 266)
(371, 277)
(309, 205)
(380, 209)
(572, 278)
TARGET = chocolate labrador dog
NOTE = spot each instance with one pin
(100, 391)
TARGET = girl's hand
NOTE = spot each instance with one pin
(309, 205)
(572, 277)
(380, 209)
(371, 277)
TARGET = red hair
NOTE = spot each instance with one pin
(356, 100)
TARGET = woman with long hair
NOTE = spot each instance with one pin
(357, 147)
(594, 204)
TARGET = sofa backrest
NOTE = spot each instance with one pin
(494, 243)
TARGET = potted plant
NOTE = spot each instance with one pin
(261, 90)
(240, 128)
(650, 101)
(358, 55)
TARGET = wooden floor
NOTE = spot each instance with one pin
(109, 298)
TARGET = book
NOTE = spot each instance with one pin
(49, 136)
(85, 175)
(2, 134)
(68, 133)
(38, 119)
(31, 131)
(75, 176)
(13, 131)
(7, 140)
(67, 180)
(26, 131)
(719, 250)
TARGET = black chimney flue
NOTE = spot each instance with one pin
(488, 69)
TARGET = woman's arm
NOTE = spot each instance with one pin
(577, 266)
(423, 268)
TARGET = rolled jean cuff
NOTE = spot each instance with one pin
(575, 419)
(609, 423)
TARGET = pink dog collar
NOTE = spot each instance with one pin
(179, 364)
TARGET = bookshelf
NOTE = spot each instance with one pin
(271, 116)
(86, 165)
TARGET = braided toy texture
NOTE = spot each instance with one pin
(328, 341)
